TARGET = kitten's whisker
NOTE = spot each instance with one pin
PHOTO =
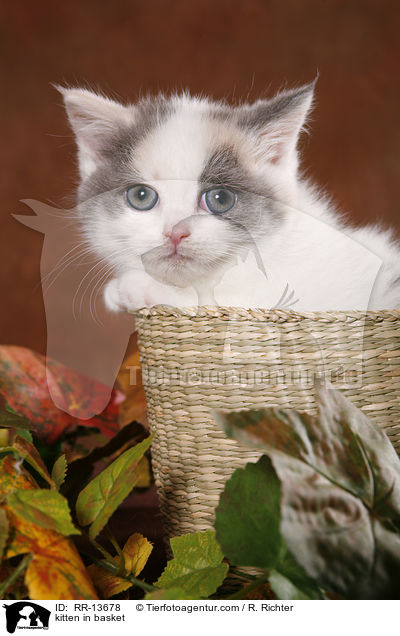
(91, 280)
(67, 260)
(74, 300)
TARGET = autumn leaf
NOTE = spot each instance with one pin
(58, 574)
(133, 408)
(56, 570)
(136, 552)
(12, 578)
(27, 450)
(13, 477)
(102, 496)
(24, 383)
(45, 508)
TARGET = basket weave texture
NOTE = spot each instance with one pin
(202, 358)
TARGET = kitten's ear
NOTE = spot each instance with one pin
(277, 123)
(94, 120)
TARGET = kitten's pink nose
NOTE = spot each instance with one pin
(177, 234)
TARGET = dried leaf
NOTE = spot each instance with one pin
(24, 382)
(59, 471)
(102, 496)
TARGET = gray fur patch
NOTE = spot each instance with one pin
(257, 209)
(257, 115)
(116, 170)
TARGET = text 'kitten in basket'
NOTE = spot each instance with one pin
(191, 201)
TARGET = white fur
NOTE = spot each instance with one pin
(322, 263)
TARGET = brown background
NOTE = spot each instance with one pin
(223, 48)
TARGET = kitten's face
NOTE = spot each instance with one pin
(183, 185)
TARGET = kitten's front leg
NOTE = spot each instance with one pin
(136, 289)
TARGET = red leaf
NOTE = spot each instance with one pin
(24, 384)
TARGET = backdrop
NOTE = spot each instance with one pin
(223, 48)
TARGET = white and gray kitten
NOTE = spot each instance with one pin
(192, 201)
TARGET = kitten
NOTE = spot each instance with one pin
(192, 201)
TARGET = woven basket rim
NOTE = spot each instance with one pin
(272, 315)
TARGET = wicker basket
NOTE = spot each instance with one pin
(202, 358)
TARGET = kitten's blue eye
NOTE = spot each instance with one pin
(218, 200)
(142, 197)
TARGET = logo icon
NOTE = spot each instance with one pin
(26, 615)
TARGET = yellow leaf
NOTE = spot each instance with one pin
(136, 551)
(58, 573)
(14, 477)
(107, 583)
(56, 570)
(133, 408)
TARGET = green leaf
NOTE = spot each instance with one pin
(4, 530)
(59, 471)
(80, 470)
(247, 518)
(102, 496)
(171, 594)
(340, 484)
(286, 590)
(197, 567)
(45, 508)
(290, 581)
(247, 522)
(25, 434)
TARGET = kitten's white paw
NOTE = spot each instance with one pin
(128, 293)
(137, 289)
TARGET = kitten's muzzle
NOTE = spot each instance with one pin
(179, 232)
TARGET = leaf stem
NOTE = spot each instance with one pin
(112, 567)
(14, 575)
(97, 545)
(118, 549)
